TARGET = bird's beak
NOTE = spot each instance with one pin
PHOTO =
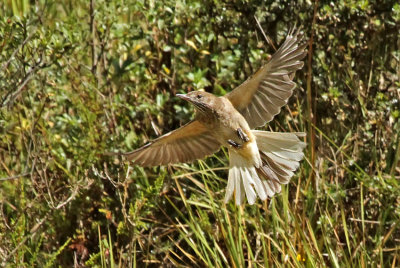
(183, 97)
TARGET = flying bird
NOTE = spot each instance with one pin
(259, 161)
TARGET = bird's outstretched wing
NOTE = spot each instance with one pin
(185, 144)
(261, 96)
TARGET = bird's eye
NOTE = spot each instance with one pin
(199, 96)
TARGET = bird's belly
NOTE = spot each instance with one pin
(250, 152)
(249, 149)
(225, 132)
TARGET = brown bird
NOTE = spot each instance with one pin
(260, 161)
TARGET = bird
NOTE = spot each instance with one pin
(259, 161)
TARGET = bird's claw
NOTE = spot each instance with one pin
(242, 135)
(234, 144)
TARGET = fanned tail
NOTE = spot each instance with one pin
(280, 154)
(243, 180)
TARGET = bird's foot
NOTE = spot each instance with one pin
(234, 144)
(242, 135)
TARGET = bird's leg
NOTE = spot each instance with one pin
(242, 135)
(234, 144)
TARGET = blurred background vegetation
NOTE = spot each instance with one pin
(81, 78)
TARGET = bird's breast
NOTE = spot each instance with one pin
(224, 122)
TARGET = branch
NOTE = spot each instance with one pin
(16, 176)
(26, 79)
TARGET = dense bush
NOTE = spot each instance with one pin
(81, 79)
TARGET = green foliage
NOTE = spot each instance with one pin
(80, 79)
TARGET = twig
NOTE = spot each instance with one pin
(366, 221)
(93, 45)
(5, 65)
(16, 176)
(31, 235)
(4, 217)
(311, 116)
(396, 155)
(69, 199)
(125, 197)
(27, 78)
(269, 40)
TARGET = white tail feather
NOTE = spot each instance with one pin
(243, 180)
(280, 154)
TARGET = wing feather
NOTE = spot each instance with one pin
(262, 96)
(188, 143)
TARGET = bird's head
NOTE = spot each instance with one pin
(204, 102)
